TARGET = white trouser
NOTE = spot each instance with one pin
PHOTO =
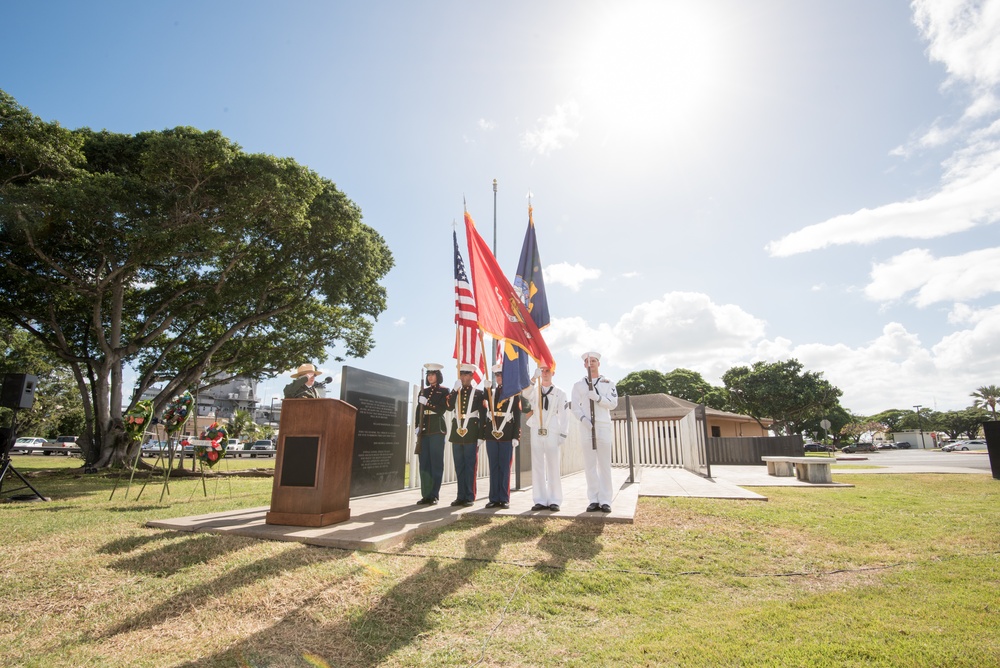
(597, 464)
(546, 458)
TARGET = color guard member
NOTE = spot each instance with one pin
(594, 398)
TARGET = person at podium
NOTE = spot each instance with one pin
(304, 385)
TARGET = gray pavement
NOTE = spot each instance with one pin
(383, 520)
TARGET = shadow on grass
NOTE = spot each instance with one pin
(123, 545)
(400, 617)
(577, 541)
(200, 549)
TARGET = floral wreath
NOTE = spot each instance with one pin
(210, 454)
(177, 412)
(138, 419)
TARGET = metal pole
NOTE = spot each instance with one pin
(628, 440)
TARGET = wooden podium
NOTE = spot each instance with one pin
(312, 472)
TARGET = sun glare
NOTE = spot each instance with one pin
(652, 70)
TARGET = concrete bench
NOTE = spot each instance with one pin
(807, 469)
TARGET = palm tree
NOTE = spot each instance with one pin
(987, 397)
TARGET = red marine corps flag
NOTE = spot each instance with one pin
(468, 348)
(502, 314)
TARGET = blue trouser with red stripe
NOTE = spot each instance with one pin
(501, 455)
(466, 461)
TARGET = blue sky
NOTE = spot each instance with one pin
(714, 183)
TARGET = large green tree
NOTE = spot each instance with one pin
(781, 391)
(178, 253)
(648, 381)
(955, 423)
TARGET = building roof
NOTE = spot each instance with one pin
(666, 406)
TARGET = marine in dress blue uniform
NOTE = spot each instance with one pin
(504, 434)
(431, 429)
(467, 428)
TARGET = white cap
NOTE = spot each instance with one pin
(586, 356)
(498, 368)
(467, 368)
(432, 366)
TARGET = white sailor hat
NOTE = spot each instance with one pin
(588, 355)
(432, 366)
(467, 368)
(498, 368)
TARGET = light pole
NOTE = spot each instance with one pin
(920, 426)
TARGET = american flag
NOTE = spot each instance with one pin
(467, 346)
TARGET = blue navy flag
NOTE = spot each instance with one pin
(530, 287)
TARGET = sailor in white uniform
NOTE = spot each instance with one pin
(594, 397)
(548, 421)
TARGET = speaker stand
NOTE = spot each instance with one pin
(5, 468)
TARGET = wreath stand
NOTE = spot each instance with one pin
(139, 418)
(201, 469)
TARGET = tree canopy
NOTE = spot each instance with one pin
(179, 253)
(781, 391)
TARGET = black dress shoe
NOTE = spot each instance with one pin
(539, 506)
(503, 506)
(456, 502)
(492, 504)
(466, 504)
(554, 507)
(605, 508)
(593, 508)
(432, 502)
(423, 502)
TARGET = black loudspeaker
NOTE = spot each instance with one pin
(18, 390)
(992, 431)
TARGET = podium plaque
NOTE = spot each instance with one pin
(312, 471)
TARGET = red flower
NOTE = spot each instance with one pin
(213, 456)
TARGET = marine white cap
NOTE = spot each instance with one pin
(470, 368)
(498, 368)
(433, 366)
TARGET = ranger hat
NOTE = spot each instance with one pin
(304, 369)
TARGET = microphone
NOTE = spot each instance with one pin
(326, 381)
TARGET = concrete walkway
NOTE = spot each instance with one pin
(383, 520)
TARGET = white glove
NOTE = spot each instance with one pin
(593, 395)
(587, 423)
(422, 400)
(416, 433)
(516, 442)
(562, 438)
(457, 386)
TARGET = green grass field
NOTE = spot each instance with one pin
(901, 570)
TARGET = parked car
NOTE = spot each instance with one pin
(903, 445)
(972, 444)
(26, 444)
(67, 441)
(860, 447)
(886, 445)
(818, 447)
(263, 444)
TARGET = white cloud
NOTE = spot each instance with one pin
(486, 125)
(554, 131)
(965, 37)
(400, 322)
(896, 370)
(570, 275)
(682, 329)
(955, 278)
